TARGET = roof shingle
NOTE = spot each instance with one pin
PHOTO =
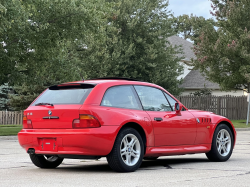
(186, 46)
(195, 80)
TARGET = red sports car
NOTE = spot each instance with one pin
(121, 119)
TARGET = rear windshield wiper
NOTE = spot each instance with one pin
(39, 104)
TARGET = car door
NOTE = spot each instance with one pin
(170, 128)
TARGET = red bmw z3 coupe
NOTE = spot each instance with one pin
(121, 119)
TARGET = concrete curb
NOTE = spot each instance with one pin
(8, 137)
(242, 129)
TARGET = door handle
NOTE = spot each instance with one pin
(158, 119)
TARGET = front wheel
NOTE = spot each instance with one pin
(127, 152)
(46, 161)
(222, 144)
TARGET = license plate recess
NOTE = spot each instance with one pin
(48, 144)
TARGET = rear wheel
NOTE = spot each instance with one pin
(127, 152)
(222, 145)
(46, 161)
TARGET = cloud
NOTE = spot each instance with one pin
(197, 7)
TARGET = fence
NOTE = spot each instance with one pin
(232, 107)
(11, 118)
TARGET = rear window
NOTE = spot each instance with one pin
(64, 96)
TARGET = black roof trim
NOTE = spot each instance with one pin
(116, 78)
(72, 86)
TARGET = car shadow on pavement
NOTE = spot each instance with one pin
(170, 163)
(161, 163)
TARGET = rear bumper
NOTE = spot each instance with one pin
(91, 141)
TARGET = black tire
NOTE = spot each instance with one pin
(214, 154)
(150, 158)
(42, 161)
(117, 161)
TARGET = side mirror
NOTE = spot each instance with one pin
(178, 107)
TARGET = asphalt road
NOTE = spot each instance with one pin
(16, 169)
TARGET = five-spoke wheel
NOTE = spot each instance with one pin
(127, 152)
(222, 144)
(130, 149)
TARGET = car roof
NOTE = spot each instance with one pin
(115, 81)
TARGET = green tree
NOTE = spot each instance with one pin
(223, 53)
(135, 45)
(37, 38)
(202, 92)
(36, 34)
(191, 26)
(5, 89)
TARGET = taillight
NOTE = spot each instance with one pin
(86, 121)
(27, 123)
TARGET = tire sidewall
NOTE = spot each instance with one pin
(119, 139)
(214, 147)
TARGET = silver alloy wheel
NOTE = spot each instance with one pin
(130, 149)
(223, 142)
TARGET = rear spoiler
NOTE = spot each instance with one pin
(72, 86)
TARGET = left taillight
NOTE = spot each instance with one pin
(86, 121)
(27, 123)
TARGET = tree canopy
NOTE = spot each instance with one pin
(48, 42)
(136, 45)
(223, 52)
(35, 36)
(190, 26)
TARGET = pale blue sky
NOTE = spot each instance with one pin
(197, 7)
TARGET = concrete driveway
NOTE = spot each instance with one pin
(16, 169)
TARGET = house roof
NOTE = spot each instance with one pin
(186, 46)
(195, 80)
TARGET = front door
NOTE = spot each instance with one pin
(170, 129)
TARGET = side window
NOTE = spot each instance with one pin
(120, 97)
(152, 99)
(171, 100)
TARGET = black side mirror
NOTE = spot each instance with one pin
(178, 107)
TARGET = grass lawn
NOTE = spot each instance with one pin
(240, 124)
(7, 130)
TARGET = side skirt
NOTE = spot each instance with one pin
(177, 150)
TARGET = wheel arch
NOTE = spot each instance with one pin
(230, 126)
(139, 129)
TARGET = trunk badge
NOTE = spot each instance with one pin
(50, 113)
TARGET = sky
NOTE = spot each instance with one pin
(197, 7)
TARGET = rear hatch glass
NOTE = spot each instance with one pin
(58, 106)
(58, 95)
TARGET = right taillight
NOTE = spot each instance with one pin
(27, 123)
(86, 121)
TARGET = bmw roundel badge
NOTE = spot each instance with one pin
(50, 113)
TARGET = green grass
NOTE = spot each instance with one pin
(240, 124)
(7, 130)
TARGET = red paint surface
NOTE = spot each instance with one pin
(176, 134)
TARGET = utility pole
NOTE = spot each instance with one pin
(248, 103)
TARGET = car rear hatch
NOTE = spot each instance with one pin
(58, 106)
